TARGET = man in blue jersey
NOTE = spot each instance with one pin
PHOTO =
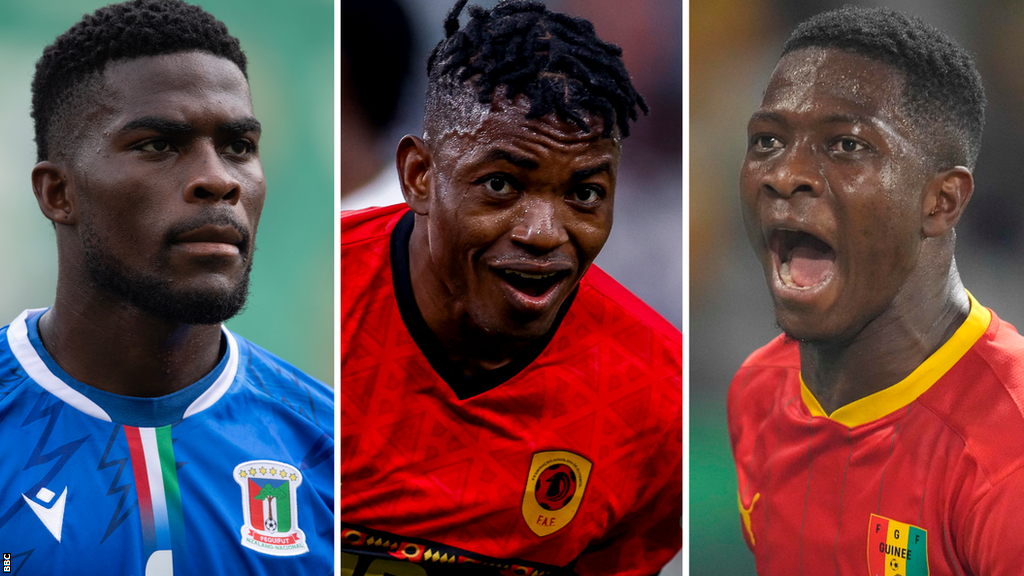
(139, 435)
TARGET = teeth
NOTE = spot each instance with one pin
(529, 276)
(787, 279)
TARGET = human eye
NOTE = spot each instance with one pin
(847, 144)
(240, 147)
(587, 196)
(500, 185)
(765, 143)
(155, 145)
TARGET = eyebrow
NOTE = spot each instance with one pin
(176, 127)
(765, 116)
(584, 173)
(520, 161)
(242, 126)
(162, 125)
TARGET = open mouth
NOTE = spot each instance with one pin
(533, 285)
(804, 260)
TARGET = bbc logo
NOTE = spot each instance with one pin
(7, 561)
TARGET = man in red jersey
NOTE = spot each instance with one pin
(883, 433)
(506, 408)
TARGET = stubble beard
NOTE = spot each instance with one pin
(159, 297)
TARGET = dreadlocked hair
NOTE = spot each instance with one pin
(942, 91)
(555, 60)
(69, 74)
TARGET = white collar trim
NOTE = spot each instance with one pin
(21, 346)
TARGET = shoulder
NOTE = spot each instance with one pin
(274, 380)
(781, 355)
(609, 333)
(611, 305)
(981, 400)
(761, 378)
(370, 223)
(11, 373)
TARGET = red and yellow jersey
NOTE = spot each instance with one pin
(925, 477)
(569, 460)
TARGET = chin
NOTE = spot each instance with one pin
(511, 327)
(804, 326)
(814, 330)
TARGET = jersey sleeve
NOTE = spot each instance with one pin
(990, 542)
(651, 534)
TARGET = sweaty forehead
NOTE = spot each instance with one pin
(504, 123)
(537, 140)
(843, 82)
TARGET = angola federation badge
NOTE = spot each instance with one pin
(554, 490)
(270, 507)
(896, 549)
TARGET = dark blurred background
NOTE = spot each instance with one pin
(291, 76)
(734, 45)
(644, 251)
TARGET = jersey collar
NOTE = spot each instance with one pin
(23, 337)
(464, 387)
(888, 400)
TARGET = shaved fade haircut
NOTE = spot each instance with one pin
(942, 94)
(69, 76)
(520, 47)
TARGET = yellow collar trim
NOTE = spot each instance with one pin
(888, 400)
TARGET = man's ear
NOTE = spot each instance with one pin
(54, 193)
(415, 171)
(944, 200)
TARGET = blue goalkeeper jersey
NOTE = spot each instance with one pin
(233, 474)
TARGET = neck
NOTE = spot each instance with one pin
(891, 346)
(110, 345)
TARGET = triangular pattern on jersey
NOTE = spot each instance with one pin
(444, 467)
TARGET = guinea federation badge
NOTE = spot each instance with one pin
(896, 549)
(554, 490)
(270, 507)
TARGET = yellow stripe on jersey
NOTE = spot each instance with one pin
(888, 400)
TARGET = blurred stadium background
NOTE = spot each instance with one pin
(734, 45)
(644, 251)
(290, 46)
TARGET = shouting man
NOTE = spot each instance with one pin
(883, 432)
(506, 408)
(140, 436)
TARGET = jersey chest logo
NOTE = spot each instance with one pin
(896, 549)
(270, 507)
(554, 490)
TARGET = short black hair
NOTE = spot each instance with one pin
(555, 60)
(942, 93)
(68, 74)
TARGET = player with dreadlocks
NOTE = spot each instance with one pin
(506, 407)
(883, 433)
(140, 435)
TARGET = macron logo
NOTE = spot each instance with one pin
(52, 517)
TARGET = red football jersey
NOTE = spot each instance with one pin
(568, 459)
(924, 477)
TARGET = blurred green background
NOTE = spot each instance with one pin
(290, 46)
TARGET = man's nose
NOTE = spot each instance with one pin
(796, 169)
(210, 178)
(539, 227)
